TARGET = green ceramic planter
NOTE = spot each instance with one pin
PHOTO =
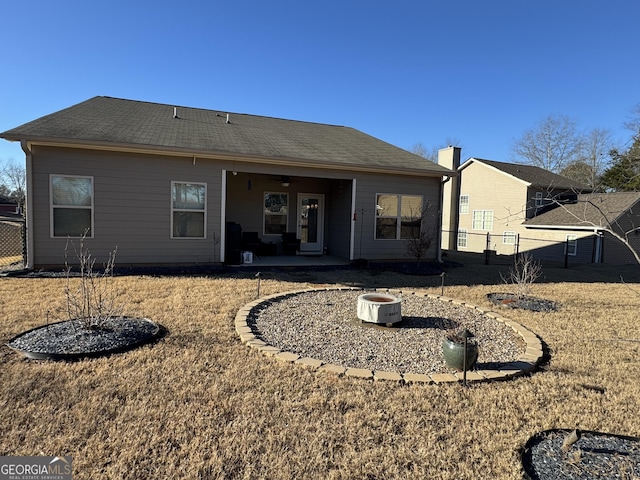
(454, 354)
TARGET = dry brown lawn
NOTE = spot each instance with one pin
(200, 404)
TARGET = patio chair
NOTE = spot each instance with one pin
(290, 244)
(251, 242)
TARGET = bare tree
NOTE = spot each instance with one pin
(14, 178)
(553, 144)
(524, 272)
(633, 123)
(421, 150)
(594, 158)
(431, 153)
(422, 232)
(92, 300)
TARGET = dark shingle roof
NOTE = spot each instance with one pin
(594, 209)
(137, 124)
(536, 176)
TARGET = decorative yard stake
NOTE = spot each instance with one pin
(466, 334)
(572, 438)
(258, 277)
(442, 275)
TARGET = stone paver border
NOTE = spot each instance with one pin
(525, 364)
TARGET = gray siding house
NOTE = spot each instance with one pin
(603, 227)
(171, 185)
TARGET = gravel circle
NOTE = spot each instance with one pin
(69, 339)
(534, 304)
(324, 325)
(594, 456)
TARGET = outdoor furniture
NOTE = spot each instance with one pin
(269, 249)
(251, 242)
(290, 244)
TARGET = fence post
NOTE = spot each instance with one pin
(566, 253)
(487, 251)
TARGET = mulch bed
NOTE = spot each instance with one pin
(510, 300)
(595, 455)
(68, 340)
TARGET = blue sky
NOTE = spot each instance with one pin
(403, 71)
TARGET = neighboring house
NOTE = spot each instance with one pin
(176, 186)
(600, 227)
(486, 207)
(8, 205)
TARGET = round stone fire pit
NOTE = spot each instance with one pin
(379, 308)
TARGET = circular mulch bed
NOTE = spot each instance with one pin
(595, 455)
(68, 340)
(511, 300)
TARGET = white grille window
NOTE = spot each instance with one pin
(464, 204)
(509, 238)
(482, 220)
(462, 238)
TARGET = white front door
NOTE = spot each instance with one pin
(311, 222)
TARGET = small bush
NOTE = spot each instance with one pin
(94, 300)
(523, 274)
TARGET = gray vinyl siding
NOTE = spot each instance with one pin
(132, 206)
(367, 187)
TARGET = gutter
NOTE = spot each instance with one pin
(228, 156)
(28, 203)
(586, 228)
(439, 244)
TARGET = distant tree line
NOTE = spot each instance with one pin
(590, 157)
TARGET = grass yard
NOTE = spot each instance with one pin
(200, 404)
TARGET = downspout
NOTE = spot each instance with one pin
(28, 211)
(598, 252)
(352, 236)
(439, 242)
(223, 216)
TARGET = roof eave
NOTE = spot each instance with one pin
(591, 228)
(229, 156)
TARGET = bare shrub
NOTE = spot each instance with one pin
(93, 300)
(523, 274)
(421, 234)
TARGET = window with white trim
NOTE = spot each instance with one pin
(462, 238)
(509, 238)
(571, 245)
(188, 210)
(276, 209)
(398, 216)
(464, 204)
(482, 220)
(71, 199)
(539, 199)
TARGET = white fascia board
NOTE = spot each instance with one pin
(471, 160)
(590, 228)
